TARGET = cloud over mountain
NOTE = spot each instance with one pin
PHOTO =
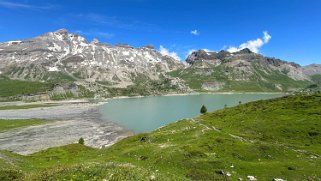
(165, 51)
(253, 45)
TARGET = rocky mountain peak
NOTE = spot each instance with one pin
(123, 45)
(61, 31)
(246, 61)
(244, 51)
(202, 55)
(95, 41)
(150, 46)
(58, 36)
(68, 53)
(71, 55)
(312, 69)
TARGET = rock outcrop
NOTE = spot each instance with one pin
(246, 63)
(312, 69)
(61, 52)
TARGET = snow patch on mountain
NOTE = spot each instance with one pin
(94, 60)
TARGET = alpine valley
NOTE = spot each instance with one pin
(61, 65)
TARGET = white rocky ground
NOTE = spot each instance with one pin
(75, 121)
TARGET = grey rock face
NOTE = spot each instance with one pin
(68, 53)
(245, 63)
(202, 55)
(213, 86)
(312, 69)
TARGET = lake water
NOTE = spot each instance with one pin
(149, 113)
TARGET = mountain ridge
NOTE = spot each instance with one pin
(61, 49)
(62, 57)
(242, 70)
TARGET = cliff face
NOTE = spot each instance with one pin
(241, 71)
(244, 63)
(313, 69)
(63, 52)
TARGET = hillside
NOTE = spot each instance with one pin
(241, 71)
(268, 139)
(67, 61)
(314, 69)
(66, 65)
(70, 54)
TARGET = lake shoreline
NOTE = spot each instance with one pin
(73, 121)
(77, 118)
(161, 110)
(193, 93)
(105, 100)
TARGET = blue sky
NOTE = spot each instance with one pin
(287, 29)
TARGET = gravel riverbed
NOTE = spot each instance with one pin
(72, 121)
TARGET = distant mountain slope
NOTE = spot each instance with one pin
(68, 53)
(312, 69)
(241, 71)
(63, 57)
(269, 139)
(68, 60)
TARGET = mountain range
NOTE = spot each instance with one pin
(66, 60)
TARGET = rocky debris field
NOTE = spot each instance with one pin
(71, 122)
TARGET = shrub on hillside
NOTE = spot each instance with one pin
(203, 109)
(81, 141)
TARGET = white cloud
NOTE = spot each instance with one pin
(17, 5)
(208, 50)
(253, 45)
(105, 35)
(266, 37)
(98, 34)
(165, 51)
(194, 50)
(191, 51)
(116, 22)
(195, 32)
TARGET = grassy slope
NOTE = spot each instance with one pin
(254, 84)
(26, 106)
(16, 87)
(144, 86)
(9, 88)
(11, 124)
(316, 78)
(269, 139)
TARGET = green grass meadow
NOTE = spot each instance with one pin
(279, 138)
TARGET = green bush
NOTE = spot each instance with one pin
(81, 141)
(10, 175)
(203, 109)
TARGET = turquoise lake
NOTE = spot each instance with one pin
(149, 113)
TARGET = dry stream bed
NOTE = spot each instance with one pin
(71, 120)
